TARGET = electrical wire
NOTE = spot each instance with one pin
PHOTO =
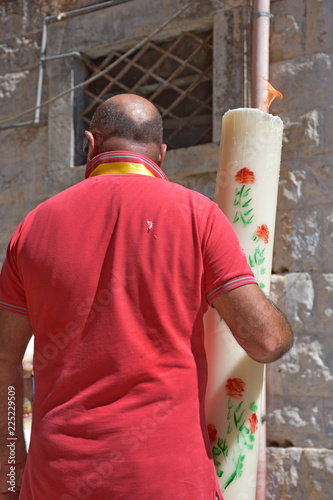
(105, 70)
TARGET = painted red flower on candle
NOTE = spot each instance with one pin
(235, 387)
(245, 176)
(253, 423)
(262, 232)
(212, 432)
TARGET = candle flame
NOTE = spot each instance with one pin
(268, 97)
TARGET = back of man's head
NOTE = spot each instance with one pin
(128, 122)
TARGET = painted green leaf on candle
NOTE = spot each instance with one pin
(246, 204)
(253, 407)
(242, 435)
(243, 177)
(257, 259)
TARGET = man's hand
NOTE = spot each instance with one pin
(257, 325)
(15, 333)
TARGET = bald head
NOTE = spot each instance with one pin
(128, 122)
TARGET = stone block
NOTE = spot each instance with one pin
(228, 75)
(190, 161)
(287, 39)
(295, 474)
(304, 134)
(19, 52)
(305, 181)
(10, 217)
(299, 421)
(291, 184)
(318, 185)
(59, 180)
(328, 234)
(328, 128)
(305, 82)
(300, 243)
(18, 94)
(319, 25)
(306, 370)
(123, 22)
(24, 163)
(232, 4)
(325, 303)
(299, 296)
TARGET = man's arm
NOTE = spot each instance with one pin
(257, 325)
(15, 333)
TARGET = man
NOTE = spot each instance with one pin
(112, 276)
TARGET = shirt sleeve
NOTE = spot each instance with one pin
(225, 263)
(12, 295)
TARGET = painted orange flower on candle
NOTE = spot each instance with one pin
(235, 387)
(263, 233)
(245, 176)
(253, 423)
(212, 433)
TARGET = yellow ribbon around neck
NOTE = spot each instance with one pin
(121, 168)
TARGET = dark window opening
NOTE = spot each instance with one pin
(175, 75)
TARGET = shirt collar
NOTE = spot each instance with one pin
(123, 162)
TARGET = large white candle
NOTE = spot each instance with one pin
(246, 191)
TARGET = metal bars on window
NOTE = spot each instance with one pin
(175, 75)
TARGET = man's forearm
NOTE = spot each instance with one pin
(12, 445)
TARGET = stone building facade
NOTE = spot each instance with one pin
(38, 160)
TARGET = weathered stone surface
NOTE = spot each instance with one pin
(19, 88)
(232, 4)
(299, 421)
(300, 243)
(328, 235)
(303, 370)
(329, 128)
(19, 52)
(287, 38)
(62, 179)
(126, 21)
(190, 161)
(10, 217)
(325, 303)
(299, 474)
(294, 294)
(305, 82)
(24, 164)
(318, 187)
(307, 132)
(292, 184)
(319, 25)
(229, 70)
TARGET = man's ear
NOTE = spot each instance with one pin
(92, 145)
(161, 155)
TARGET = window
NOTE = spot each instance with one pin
(175, 75)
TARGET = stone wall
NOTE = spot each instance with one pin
(36, 163)
(299, 402)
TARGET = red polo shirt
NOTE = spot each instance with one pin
(115, 274)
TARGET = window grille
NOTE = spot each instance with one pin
(175, 75)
